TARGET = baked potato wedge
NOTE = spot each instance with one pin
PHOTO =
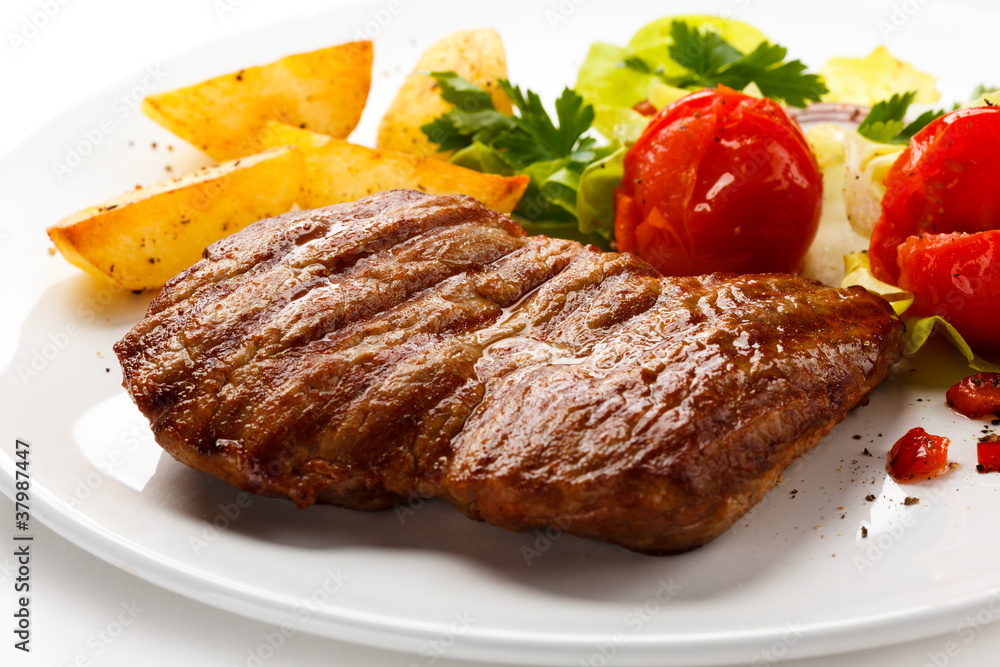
(476, 55)
(144, 237)
(338, 171)
(322, 90)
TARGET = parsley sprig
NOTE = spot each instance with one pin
(554, 153)
(885, 122)
(710, 60)
(530, 136)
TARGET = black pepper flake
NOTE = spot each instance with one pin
(870, 497)
(137, 291)
(239, 75)
(980, 467)
(864, 531)
(107, 370)
(866, 452)
(910, 500)
(856, 437)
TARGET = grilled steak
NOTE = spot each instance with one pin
(411, 345)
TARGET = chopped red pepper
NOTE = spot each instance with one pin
(976, 396)
(918, 455)
(988, 454)
(645, 108)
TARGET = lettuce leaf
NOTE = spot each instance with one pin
(919, 330)
(859, 272)
(595, 198)
(677, 55)
(620, 125)
(874, 78)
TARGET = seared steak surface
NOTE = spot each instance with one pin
(404, 345)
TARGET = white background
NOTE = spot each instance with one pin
(84, 46)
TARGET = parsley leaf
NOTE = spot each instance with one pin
(636, 63)
(885, 121)
(535, 137)
(885, 124)
(704, 53)
(981, 90)
(777, 79)
(553, 153)
(531, 136)
(711, 60)
(474, 118)
(461, 92)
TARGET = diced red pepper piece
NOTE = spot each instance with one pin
(918, 455)
(976, 396)
(988, 454)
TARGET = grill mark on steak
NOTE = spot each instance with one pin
(408, 345)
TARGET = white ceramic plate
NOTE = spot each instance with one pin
(794, 578)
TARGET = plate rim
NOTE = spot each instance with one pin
(880, 629)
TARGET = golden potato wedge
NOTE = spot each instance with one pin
(477, 55)
(323, 90)
(144, 237)
(338, 171)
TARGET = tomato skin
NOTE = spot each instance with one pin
(944, 181)
(917, 455)
(976, 396)
(956, 276)
(719, 181)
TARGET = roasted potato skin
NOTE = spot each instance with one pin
(144, 237)
(324, 90)
(477, 55)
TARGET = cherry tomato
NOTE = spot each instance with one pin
(945, 181)
(988, 454)
(917, 455)
(719, 181)
(976, 396)
(956, 276)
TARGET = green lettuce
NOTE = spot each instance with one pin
(918, 329)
